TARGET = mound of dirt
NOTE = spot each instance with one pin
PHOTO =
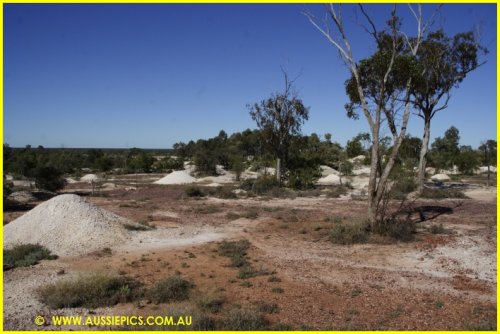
(440, 177)
(327, 170)
(22, 197)
(177, 177)
(90, 178)
(331, 179)
(68, 226)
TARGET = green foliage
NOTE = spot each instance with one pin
(397, 229)
(25, 255)
(244, 319)
(354, 147)
(194, 191)
(303, 178)
(439, 229)
(210, 303)
(349, 233)
(261, 185)
(90, 291)
(280, 118)
(467, 161)
(236, 251)
(442, 193)
(170, 289)
(49, 178)
(170, 163)
(445, 151)
(488, 151)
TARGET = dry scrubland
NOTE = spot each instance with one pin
(252, 262)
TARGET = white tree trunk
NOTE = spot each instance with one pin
(422, 163)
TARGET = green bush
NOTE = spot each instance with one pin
(25, 255)
(244, 319)
(261, 185)
(439, 229)
(90, 291)
(401, 230)
(194, 191)
(442, 193)
(236, 251)
(173, 288)
(223, 192)
(402, 187)
(349, 233)
(49, 178)
(303, 178)
(210, 303)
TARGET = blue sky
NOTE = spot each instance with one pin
(151, 75)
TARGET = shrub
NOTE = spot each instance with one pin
(244, 319)
(402, 187)
(223, 192)
(90, 291)
(442, 193)
(439, 229)
(277, 290)
(236, 251)
(173, 288)
(247, 271)
(137, 227)
(49, 178)
(303, 178)
(401, 230)
(347, 234)
(25, 255)
(268, 308)
(210, 303)
(274, 279)
(261, 185)
(337, 191)
(194, 191)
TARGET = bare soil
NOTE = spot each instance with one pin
(437, 282)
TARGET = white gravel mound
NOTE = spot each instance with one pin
(22, 197)
(329, 180)
(327, 170)
(68, 226)
(90, 178)
(177, 177)
(361, 170)
(440, 177)
(213, 184)
(70, 180)
(358, 159)
(484, 169)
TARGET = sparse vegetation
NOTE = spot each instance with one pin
(244, 319)
(236, 251)
(170, 289)
(25, 255)
(194, 191)
(442, 193)
(349, 233)
(277, 290)
(90, 291)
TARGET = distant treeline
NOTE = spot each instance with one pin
(242, 150)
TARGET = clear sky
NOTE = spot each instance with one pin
(95, 75)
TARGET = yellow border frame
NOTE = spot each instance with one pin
(227, 2)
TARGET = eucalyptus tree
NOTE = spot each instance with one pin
(376, 96)
(442, 63)
(280, 118)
